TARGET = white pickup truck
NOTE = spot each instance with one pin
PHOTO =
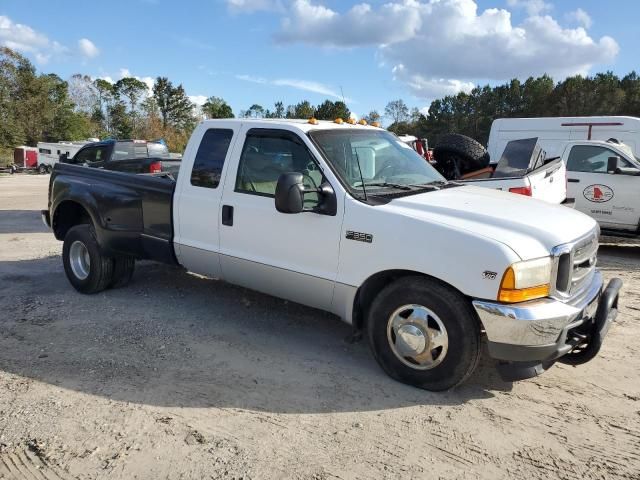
(348, 219)
(604, 179)
(522, 167)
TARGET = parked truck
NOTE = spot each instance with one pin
(604, 179)
(132, 156)
(348, 219)
(523, 167)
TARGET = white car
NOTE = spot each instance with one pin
(348, 219)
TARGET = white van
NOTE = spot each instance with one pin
(554, 132)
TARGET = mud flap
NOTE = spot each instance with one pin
(514, 371)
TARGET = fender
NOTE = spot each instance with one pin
(115, 211)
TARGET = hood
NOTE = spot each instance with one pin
(530, 227)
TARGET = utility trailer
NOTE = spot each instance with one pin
(24, 158)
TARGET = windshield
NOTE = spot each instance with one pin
(373, 157)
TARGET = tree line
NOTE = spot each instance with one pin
(43, 107)
(472, 113)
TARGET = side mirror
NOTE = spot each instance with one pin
(290, 191)
(612, 164)
(633, 172)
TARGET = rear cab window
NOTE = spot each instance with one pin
(129, 150)
(212, 152)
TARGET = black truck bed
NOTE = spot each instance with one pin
(131, 214)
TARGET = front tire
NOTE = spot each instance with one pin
(87, 269)
(424, 333)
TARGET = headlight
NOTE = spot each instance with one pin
(526, 281)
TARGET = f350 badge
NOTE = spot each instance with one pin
(487, 275)
(359, 236)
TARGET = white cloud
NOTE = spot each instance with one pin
(251, 78)
(198, 99)
(305, 85)
(88, 48)
(250, 6)
(424, 87)
(533, 7)
(441, 46)
(361, 25)
(580, 17)
(25, 39)
(308, 86)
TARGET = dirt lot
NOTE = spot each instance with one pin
(180, 377)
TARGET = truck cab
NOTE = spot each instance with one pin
(604, 179)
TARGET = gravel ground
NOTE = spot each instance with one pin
(176, 376)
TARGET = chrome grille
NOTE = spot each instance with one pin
(575, 264)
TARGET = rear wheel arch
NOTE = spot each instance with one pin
(67, 215)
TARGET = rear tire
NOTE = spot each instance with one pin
(123, 268)
(42, 169)
(87, 269)
(424, 333)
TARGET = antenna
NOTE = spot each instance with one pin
(364, 190)
(342, 93)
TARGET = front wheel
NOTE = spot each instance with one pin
(87, 269)
(424, 333)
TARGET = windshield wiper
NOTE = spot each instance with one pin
(388, 184)
(434, 184)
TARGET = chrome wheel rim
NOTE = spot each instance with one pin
(80, 260)
(417, 337)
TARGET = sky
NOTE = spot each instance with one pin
(262, 51)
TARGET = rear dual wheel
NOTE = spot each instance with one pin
(424, 333)
(87, 269)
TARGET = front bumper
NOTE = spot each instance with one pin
(537, 333)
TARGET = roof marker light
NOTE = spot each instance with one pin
(362, 122)
(375, 124)
(339, 121)
(351, 121)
